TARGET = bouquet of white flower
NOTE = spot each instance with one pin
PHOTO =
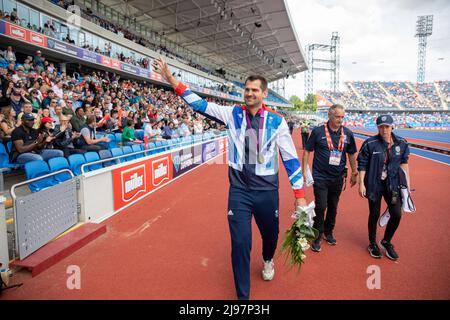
(300, 235)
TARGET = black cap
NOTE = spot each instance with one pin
(385, 119)
(27, 116)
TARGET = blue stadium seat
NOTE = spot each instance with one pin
(151, 146)
(137, 148)
(116, 152)
(91, 157)
(118, 139)
(139, 134)
(165, 143)
(59, 163)
(106, 154)
(75, 162)
(112, 141)
(9, 146)
(4, 159)
(128, 150)
(38, 168)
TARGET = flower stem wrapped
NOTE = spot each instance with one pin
(299, 236)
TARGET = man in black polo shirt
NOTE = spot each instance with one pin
(28, 144)
(330, 144)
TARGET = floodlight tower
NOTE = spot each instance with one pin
(330, 65)
(424, 29)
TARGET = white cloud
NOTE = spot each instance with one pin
(377, 38)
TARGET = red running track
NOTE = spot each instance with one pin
(175, 245)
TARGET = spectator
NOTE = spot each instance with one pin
(78, 121)
(65, 137)
(28, 145)
(46, 129)
(28, 108)
(17, 100)
(67, 108)
(168, 132)
(35, 101)
(38, 62)
(184, 129)
(128, 135)
(8, 123)
(57, 88)
(88, 140)
(57, 114)
(9, 55)
(47, 100)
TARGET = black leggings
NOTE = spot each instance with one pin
(395, 210)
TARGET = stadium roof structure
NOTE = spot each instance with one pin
(241, 37)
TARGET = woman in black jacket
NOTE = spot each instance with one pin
(380, 161)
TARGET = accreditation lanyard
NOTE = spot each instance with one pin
(335, 156)
(330, 142)
(253, 135)
(384, 173)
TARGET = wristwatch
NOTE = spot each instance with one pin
(355, 173)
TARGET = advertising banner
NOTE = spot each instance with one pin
(135, 181)
(186, 159)
(16, 32)
(210, 150)
(37, 39)
(106, 61)
(89, 56)
(155, 76)
(115, 64)
(63, 47)
(130, 69)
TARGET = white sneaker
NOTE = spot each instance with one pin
(268, 270)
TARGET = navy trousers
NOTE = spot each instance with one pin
(241, 205)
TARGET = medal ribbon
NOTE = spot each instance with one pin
(261, 127)
(330, 142)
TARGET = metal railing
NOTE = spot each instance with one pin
(14, 197)
(180, 144)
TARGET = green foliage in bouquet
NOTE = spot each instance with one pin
(297, 240)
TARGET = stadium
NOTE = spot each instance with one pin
(125, 194)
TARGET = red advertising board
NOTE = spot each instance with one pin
(37, 39)
(16, 31)
(115, 64)
(134, 181)
(155, 76)
(106, 61)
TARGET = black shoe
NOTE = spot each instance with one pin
(330, 239)
(315, 246)
(389, 248)
(374, 250)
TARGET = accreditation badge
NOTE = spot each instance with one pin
(335, 158)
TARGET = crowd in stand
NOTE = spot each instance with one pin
(125, 32)
(401, 120)
(394, 95)
(48, 113)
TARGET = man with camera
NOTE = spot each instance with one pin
(379, 163)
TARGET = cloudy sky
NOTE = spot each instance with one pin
(377, 38)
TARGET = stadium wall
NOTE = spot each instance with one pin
(127, 183)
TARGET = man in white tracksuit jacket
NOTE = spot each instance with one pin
(256, 134)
